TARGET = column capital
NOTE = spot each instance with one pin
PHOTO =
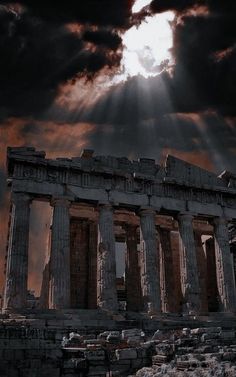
(186, 216)
(63, 201)
(105, 205)
(145, 211)
(220, 220)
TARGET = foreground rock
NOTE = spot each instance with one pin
(59, 352)
(198, 352)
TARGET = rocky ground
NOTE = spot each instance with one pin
(200, 352)
(52, 347)
(177, 353)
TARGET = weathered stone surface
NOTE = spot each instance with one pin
(17, 258)
(107, 294)
(114, 337)
(128, 188)
(127, 353)
(150, 264)
(126, 334)
(224, 267)
(60, 256)
(73, 340)
(189, 271)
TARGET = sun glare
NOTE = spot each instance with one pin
(147, 46)
(140, 4)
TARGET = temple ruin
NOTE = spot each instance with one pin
(174, 220)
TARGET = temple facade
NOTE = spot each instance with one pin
(174, 220)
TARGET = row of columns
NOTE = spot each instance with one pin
(59, 296)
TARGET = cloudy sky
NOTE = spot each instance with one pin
(124, 77)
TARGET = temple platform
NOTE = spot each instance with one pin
(100, 320)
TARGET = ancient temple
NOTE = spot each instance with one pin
(174, 220)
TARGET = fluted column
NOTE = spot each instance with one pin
(106, 289)
(202, 269)
(188, 266)
(60, 255)
(132, 270)
(150, 270)
(224, 267)
(166, 271)
(17, 256)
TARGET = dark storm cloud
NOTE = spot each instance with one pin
(115, 13)
(198, 74)
(200, 79)
(38, 55)
(223, 7)
(157, 6)
(103, 38)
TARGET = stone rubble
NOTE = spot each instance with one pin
(55, 351)
(199, 352)
(188, 352)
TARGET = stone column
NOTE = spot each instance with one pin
(60, 255)
(149, 263)
(166, 271)
(177, 293)
(224, 267)
(106, 289)
(132, 270)
(202, 268)
(188, 265)
(15, 293)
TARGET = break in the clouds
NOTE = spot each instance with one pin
(42, 49)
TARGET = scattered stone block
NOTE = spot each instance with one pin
(114, 337)
(126, 353)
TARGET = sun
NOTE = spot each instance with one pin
(147, 46)
(140, 4)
